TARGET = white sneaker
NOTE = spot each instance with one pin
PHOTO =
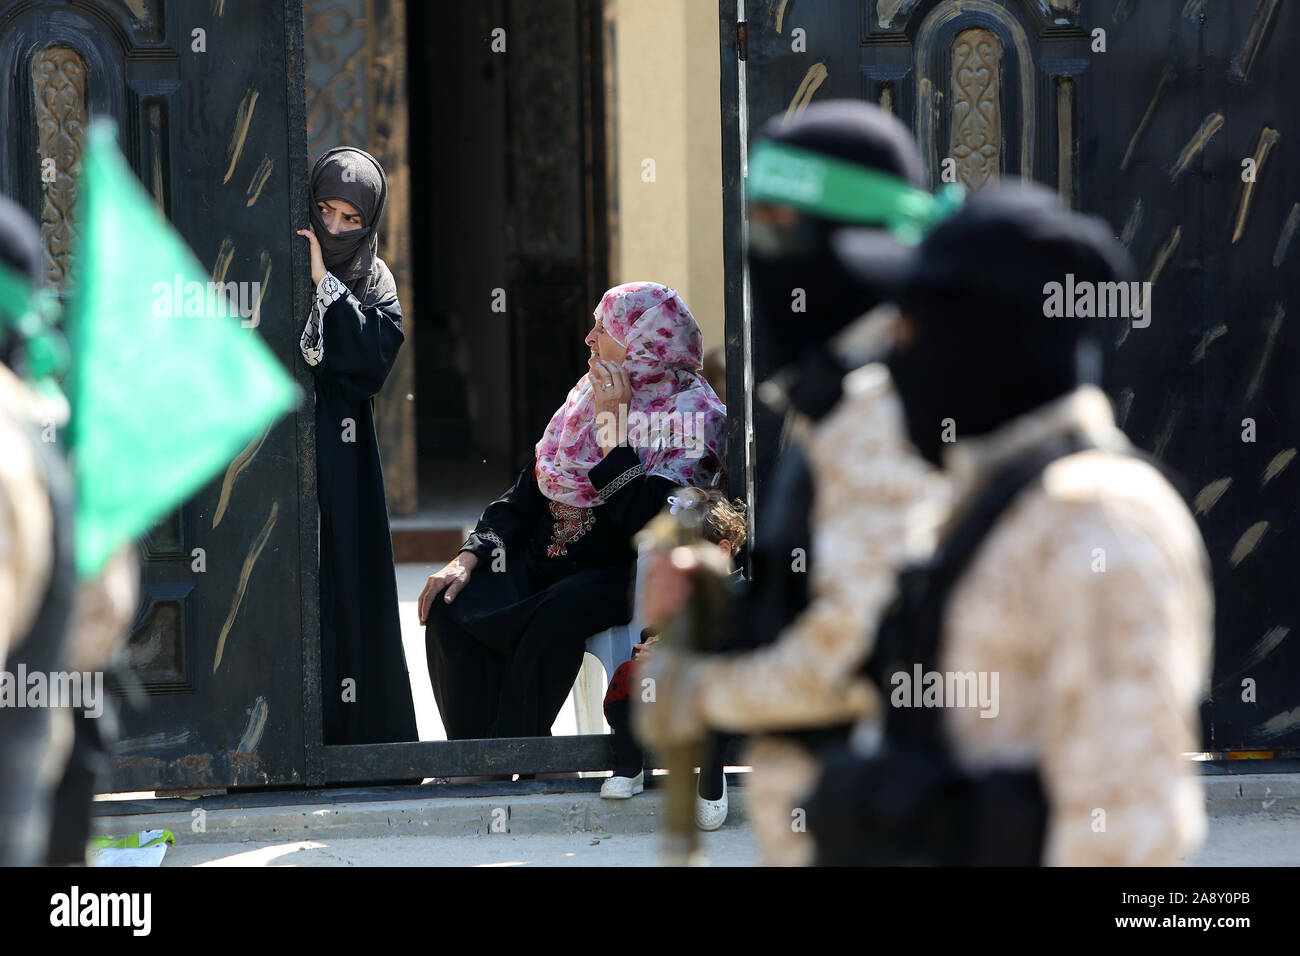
(621, 788)
(711, 814)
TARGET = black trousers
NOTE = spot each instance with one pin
(74, 798)
(502, 663)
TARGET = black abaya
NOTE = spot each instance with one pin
(504, 654)
(361, 636)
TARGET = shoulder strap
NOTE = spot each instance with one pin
(959, 546)
(911, 632)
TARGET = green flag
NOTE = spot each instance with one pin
(167, 385)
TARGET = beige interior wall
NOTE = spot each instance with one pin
(665, 103)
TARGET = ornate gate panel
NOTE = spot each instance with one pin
(209, 106)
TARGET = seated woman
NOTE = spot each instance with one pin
(549, 563)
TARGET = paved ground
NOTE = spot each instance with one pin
(1252, 840)
(1254, 821)
(1256, 839)
(728, 847)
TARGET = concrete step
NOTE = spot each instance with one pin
(518, 814)
(514, 809)
(1274, 793)
(428, 545)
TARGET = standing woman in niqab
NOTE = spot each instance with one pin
(350, 343)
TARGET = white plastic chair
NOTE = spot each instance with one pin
(607, 649)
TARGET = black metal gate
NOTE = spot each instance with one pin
(208, 102)
(1178, 122)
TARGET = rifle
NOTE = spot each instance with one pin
(694, 630)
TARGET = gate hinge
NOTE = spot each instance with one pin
(742, 40)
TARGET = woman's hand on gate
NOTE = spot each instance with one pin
(453, 578)
(317, 260)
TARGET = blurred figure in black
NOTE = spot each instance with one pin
(37, 575)
(51, 757)
(829, 529)
(1043, 670)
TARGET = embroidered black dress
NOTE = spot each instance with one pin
(361, 636)
(504, 654)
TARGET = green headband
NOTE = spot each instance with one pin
(32, 314)
(847, 192)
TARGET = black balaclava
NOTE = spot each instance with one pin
(982, 351)
(20, 249)
(800, 257)
(354, 176)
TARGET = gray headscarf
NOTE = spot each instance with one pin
(353, 175)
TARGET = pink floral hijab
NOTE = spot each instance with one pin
(675, 421)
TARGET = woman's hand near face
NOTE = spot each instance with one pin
(317, 260)
(453, 577)
(612, 390)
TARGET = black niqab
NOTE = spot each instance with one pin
(983, 351)
(859, 133)
(354, 176)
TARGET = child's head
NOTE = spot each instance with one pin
(722, 521)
